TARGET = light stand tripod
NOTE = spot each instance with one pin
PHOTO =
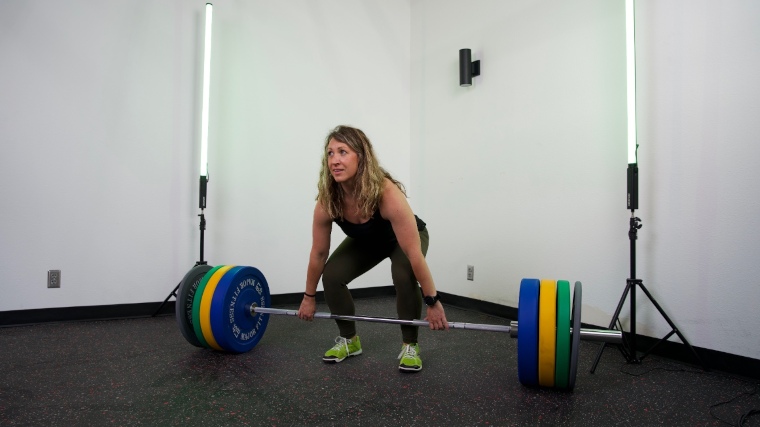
(204, 139)
(202, 205)
(628, 347)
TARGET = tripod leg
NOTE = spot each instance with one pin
(672, 325)
(651, 349)
(172, 294)
(612, 323)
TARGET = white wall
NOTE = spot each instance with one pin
(96, 121)
(521, 174)
(99, 122)
(699, 103)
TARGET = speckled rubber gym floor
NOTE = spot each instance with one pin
(143, 372)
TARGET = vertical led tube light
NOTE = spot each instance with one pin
(205, 108)
(632, 199)
(630, 50)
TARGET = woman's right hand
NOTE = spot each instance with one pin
(308, 308)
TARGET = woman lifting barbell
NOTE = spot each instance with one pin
(370, 206)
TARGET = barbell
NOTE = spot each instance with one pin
(227, 308)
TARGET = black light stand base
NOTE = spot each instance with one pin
(628, 347)
(173, 293)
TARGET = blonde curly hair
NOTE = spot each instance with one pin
(368, 183)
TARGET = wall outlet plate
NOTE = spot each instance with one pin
(470, 272)
(54, 279)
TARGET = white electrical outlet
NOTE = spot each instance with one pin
(470, 272)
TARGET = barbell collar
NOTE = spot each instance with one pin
(600, 335)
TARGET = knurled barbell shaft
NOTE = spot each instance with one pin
(601, 335)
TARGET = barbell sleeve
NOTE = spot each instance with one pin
(600, 335)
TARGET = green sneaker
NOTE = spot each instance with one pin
(343, 348)
(410, 358)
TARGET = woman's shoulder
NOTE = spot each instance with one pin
(392, 198)
(390, 185)
(321, 213)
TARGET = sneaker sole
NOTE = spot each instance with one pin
(410, 368)
(336, 360)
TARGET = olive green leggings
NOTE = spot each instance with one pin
(355, 257)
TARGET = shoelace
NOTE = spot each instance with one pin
(341, 342)
(409, 350)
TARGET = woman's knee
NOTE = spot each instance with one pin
(402, 274)
(407, 289)
(332, 277)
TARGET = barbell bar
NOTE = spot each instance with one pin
(598, 335)
(227, 308)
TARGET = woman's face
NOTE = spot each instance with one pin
(342, 161)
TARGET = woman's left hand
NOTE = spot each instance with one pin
(436, 316)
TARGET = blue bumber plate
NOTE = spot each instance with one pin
(234, 327)
(527, 332)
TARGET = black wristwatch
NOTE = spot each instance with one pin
(430, 301)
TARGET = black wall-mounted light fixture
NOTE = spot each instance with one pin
(467, 68)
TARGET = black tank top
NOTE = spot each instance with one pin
(376, 228)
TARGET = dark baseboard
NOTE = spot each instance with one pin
(73, 314)
(359, 293)
(485, 307)
(146, 309)
(711, 359)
